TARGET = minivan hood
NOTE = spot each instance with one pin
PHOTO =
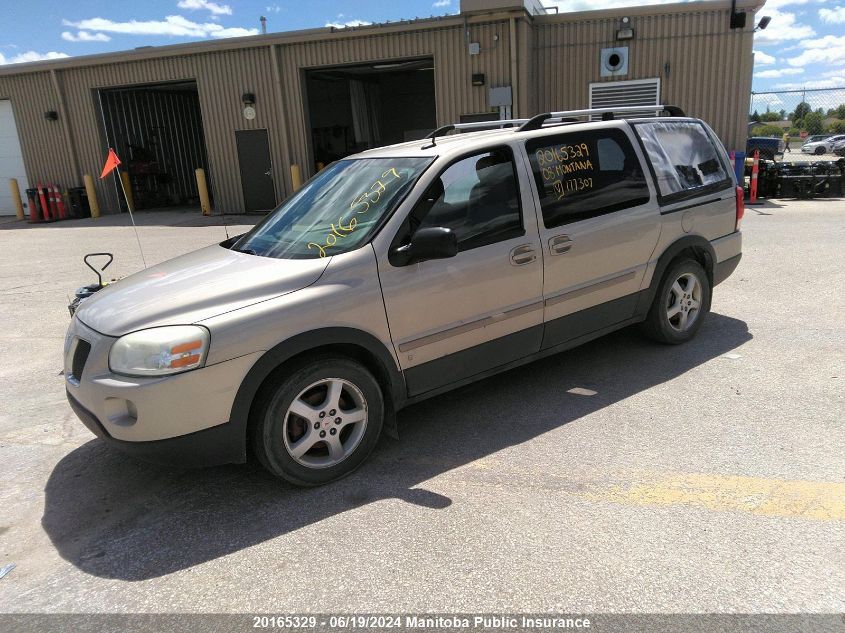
(194, 287)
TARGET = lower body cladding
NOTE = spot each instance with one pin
(182, 419)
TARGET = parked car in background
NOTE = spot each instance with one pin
(767, 146)
(823, 146)
(816, 137)
(838, 148)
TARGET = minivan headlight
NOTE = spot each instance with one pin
(159, 351)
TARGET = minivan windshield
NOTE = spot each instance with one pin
(336, 211)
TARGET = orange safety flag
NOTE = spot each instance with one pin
(111, 162)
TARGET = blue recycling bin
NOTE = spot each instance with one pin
(739, 166)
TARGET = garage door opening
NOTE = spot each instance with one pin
(156, 130)
(353, 108)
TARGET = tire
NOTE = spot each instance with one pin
(672, 318)
(300, 433)
(819, 151)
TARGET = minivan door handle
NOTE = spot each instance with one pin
(524, 254)
(559, 244)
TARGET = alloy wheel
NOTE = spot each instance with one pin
(325, 423)
(684, 302)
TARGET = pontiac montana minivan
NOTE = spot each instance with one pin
(404, 271)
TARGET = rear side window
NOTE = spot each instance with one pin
(685, 159)
(580, 175)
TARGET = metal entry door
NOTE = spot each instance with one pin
(256, 170)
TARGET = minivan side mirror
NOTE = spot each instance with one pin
(436, 242)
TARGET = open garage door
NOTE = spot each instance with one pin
(157, 132)
(353, 108)
(11, 158)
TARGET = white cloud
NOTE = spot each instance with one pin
(763, 59)
(85, 36)
(783, 27)
(829, 49)
(30, 56)
(834, 82)
(172, 25)
(273, 8)
(780, 72)
(832, 16)
(343, 25)
(442, 3)
(213, 7)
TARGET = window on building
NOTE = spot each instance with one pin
(580, 175)
(684, 158)
(477, 197)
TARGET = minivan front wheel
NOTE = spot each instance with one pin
(680, 305)
(320, 422)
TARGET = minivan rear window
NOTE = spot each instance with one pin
(336, 211)
(684, 157)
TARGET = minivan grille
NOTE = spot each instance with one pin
(80, 356)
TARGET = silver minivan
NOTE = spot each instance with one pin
(402, 272)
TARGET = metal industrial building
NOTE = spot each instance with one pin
(247, 109)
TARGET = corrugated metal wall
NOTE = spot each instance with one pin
(552, 63)
(453, 67)
(708, 73)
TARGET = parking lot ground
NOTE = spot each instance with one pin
(622, 476)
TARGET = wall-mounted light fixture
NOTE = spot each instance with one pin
(51, 115)
(625, 30)
(763, 23)
(248, 98)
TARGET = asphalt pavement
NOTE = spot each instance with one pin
(707, 477)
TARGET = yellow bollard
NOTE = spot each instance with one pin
(92, 196)
(202, 187)
(296, 176)
(127, 187)
(16, 198)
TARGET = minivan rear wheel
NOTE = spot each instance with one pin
(319, 422)
(680, 305)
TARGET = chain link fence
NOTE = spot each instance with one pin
(799, 113)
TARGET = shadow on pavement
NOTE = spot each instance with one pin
(114, 517)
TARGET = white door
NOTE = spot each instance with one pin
(11, 158)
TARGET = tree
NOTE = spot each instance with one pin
(782, 115)
(755, 117)
(766, 130)
(813, 123)
(837, 127)
(801, 110)
(770, 117)
(840, 112)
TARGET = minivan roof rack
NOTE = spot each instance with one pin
(476, 125)
(536, 122)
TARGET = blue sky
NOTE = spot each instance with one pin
(804, 46)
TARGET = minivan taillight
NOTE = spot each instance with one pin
(740, 206)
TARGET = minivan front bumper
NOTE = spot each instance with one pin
(181, 419)
(221, 444)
